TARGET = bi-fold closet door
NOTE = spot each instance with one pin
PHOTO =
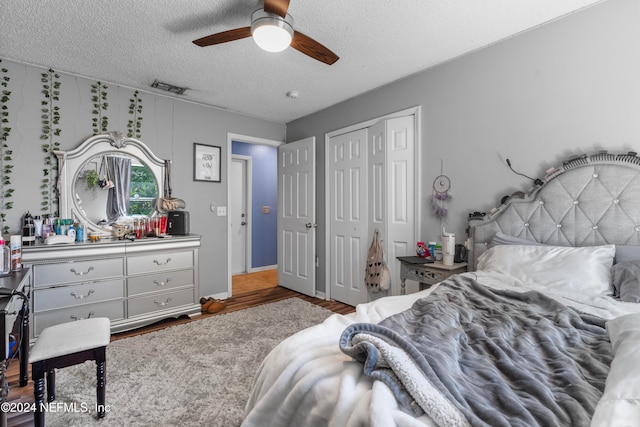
(372, 187)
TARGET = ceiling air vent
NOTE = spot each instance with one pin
(169, 87)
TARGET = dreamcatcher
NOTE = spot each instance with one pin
(441, 193)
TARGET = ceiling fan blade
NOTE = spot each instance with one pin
(279, 7)
(223, 37)
(312, 48)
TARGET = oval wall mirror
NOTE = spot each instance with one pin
(108, 179)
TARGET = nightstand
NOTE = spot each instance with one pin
(428, 274)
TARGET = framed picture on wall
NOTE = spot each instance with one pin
(206, 162)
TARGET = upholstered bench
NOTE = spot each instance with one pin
(65, 345)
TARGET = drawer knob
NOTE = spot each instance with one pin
(73, 317)
(163, 303)
(81, 273)
(162, 263)
(160, 283)
(73, 294)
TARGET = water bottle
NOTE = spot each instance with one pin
(80, 233)
(448, 248)
(432, 249)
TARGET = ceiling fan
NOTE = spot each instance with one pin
(272, 29)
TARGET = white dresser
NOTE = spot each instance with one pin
(133, 283)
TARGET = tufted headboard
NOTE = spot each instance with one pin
(588, 200)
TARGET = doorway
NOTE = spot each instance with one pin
(254, 161)
(238, 212)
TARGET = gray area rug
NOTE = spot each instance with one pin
(195, 374)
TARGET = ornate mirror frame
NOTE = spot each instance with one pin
(70, 164)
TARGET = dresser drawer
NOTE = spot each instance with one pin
(114, 310)
(76, 271)
(158, 262)
(159, 282)
(73, 295)
(160, 301)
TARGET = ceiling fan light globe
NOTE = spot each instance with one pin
(271, 32)
(272, 39)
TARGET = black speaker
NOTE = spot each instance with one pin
(178, 222)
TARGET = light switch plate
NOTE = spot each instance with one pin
(222, 211)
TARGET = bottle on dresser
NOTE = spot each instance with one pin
(46, 227)
(81, 235)
(28, 230)
(71, 232)
(5, 258)
(15, 245)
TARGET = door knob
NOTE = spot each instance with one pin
(243, 223)
(309, 225)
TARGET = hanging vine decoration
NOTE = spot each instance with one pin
(100, 105)
(134, 125)
(5, 152)
(50, 133)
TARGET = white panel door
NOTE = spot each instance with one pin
(348, 216)
(400, 189)
(238, 215)
(391, 191)
(377, 203)
(297, 216)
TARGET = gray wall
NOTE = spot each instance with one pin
(170, 127)
(569, 87)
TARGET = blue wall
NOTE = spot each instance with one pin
(264, 182)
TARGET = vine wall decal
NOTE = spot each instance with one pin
(134, 125)
(100, 106)
(50, 134)
(6, 191)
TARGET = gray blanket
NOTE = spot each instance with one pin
(501, 358)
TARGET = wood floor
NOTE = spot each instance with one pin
(244, 296)
(243, 283)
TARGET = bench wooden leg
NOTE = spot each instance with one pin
(101, 366)
(51, 385)
(37, 371)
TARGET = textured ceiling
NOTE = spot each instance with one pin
(134, 42)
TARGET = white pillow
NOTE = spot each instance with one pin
(620, 403)
(501, 238)
(565, 270)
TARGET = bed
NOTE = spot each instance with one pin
(544, 331)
